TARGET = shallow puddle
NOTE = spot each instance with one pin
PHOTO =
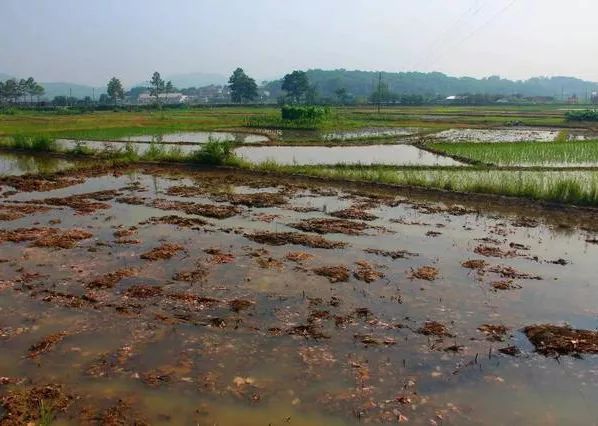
(115, 146)
(285, 301)
(399, 155)
(197, 137)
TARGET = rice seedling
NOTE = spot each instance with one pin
(524, 153)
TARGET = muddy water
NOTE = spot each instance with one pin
(400, 155)
(232, 331)
(113, 146)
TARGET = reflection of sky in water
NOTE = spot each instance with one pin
(370, 154)
(197, 137)
(18, 164)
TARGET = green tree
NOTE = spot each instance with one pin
(38, 91)
(157, 87)
(342, 95)
(115, 90)
(169, 88)
(296, 84)
(242, 87)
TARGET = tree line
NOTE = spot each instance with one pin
(15, 91)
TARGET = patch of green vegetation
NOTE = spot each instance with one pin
(524, 153)
(40, 143)
(46, 414)
(582, 115)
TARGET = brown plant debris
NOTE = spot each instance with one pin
(207, 210)
(125, 232)
(182, 222)
(22, 406)
(504, 285)
(434, 328)
(335, 273)
(492, 251)
(165, 251)
(354, 213)
(110, 279)
(296, 238)
(257, 199)
(428, 273)
(45, 237)
(18, 211)
(299, 256)
(396, 254)
(561, 340)
(366, 272)
(238, 305)
(334, 226)
(185, 191)
(37, 183)
(493, 332)
(63, 239)
(219, 256)
(142, 291)
(511, 273)
(45, 345)
(195, 275)
(84, 203)
(476, 264)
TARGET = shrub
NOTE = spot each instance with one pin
(214, 152)
(584, 115)
(304, 113)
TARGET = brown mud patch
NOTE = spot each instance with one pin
(561, 340)
(24, 406)
(110, 279)
(182, 222)
(207, 210)
(493, 332)
(219, 256)
(17, 211)
(45, 345)
(295, 238)
(492, 251)
(428, 273)
(334, 273)
(354, 214)
(257, 199)
(434, 328)
(393, 254)
(366, 272)
(163, 252)
(84, 203)
(46, 237)
(331, 226)
(37, 183)
(142, 291)
(299, 256)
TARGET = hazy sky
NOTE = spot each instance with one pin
(88, 41)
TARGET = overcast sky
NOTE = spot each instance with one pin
(88, 41)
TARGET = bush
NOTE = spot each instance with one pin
(304, 113)
(585, 115)
(214, 152)
(35, 143)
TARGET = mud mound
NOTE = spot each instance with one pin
(165, 251)
(46, 237)
(428, 273)
(331, 226)
(283, 238)
(335, 273)
(354, 213)
(561, 340)
(110, 279)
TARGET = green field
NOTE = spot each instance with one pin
(524, 153)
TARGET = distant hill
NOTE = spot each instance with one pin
(4, 76)
(363, 83)
(196, 79)
(77, 90)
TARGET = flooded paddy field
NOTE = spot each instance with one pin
(496, 135)
(399, 155)
(144, 295)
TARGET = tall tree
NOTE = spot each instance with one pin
(169, 88)
(296, 84)
(157, 87)
(342, 95)
(38, 91)
(115, 90)
(242, 87)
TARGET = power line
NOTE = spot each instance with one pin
(484, 25)
(442, 37)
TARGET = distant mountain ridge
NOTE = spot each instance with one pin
(363, 83)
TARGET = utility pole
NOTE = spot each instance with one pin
(379, 91)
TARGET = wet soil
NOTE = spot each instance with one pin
(175, 296)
